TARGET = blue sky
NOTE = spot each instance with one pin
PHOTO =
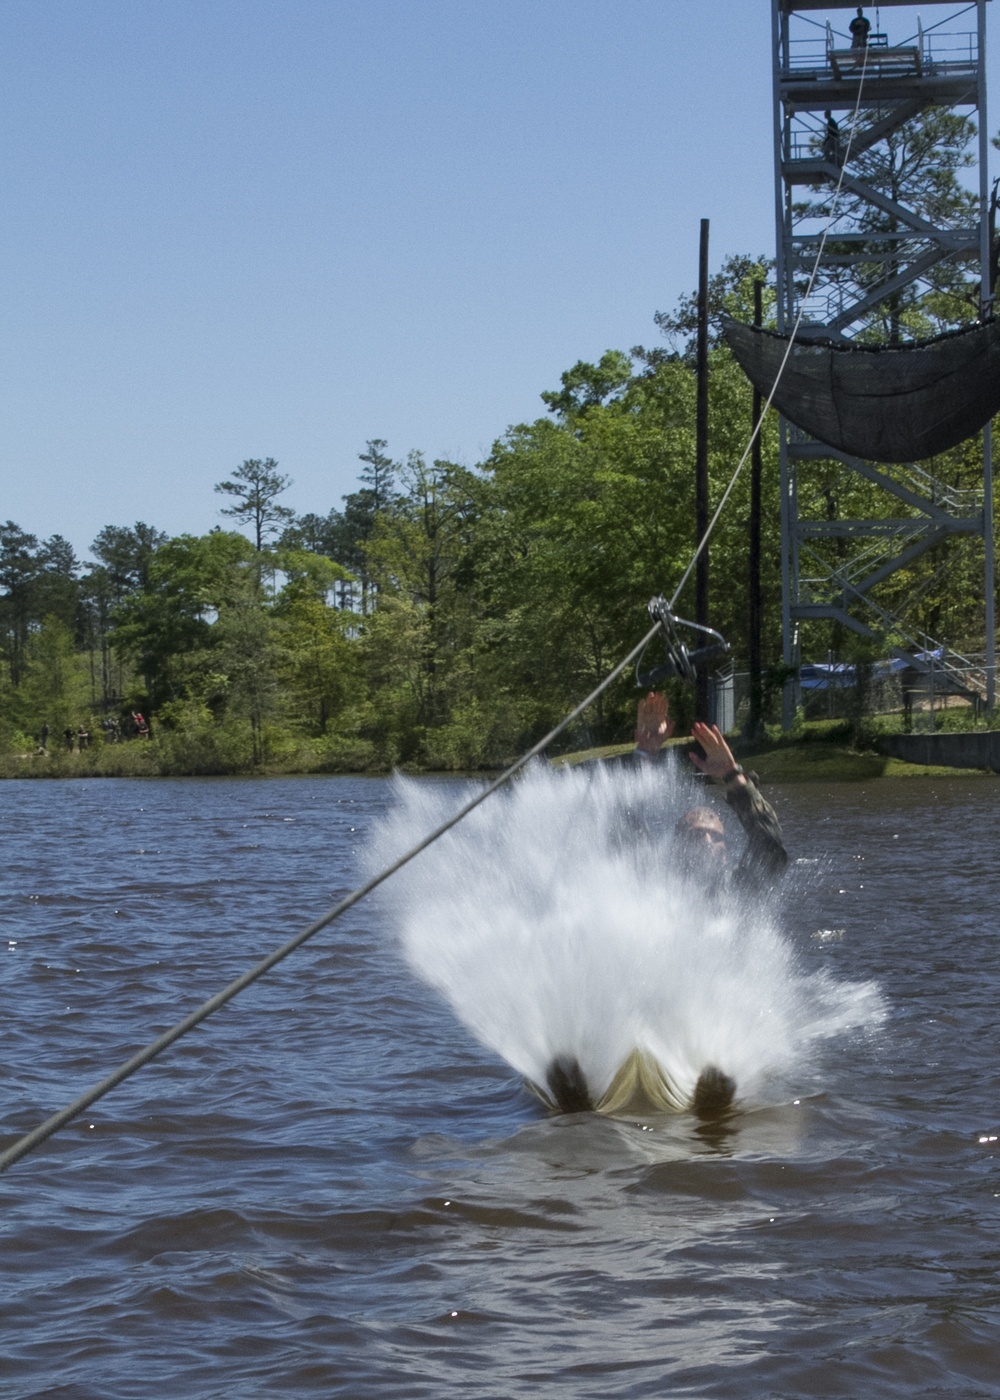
(245, 228)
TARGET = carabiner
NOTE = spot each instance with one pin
(680, 663)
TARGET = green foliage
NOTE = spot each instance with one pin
(254, 487)
(344, 536)
(166, 627)
(590, 516)
(447, 616)
(315, 664)
(730, 293)
(37, 580)
(55, 690)
(917, 165)
(590, 386)
(191, 739)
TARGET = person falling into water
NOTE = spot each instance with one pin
(703, 854)
(701, 833)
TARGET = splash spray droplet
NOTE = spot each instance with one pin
(556, 921)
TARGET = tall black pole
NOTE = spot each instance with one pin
(755, 720)
(701, 467)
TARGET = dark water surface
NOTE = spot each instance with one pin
(329, 1189)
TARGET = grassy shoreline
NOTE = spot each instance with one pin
(822, 754)
(812, 758)
(142, 759)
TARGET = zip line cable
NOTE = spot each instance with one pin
(791, 341)
(23, 1145)
(58, 1120)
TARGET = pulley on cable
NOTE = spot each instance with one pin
(681, 661)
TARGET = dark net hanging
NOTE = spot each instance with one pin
(896, 403)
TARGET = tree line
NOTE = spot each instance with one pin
(441, 615)
(445, 615)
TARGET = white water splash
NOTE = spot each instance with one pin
(555, 921)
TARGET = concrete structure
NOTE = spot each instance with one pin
(977, 749)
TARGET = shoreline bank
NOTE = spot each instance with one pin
(813, 760)
(809, 759)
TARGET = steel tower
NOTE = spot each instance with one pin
(879, 247)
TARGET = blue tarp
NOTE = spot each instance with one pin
(829, 675)
(839, 675)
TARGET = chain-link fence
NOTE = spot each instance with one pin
(934, 693)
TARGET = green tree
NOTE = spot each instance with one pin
(254, 487)
(343, 535)
(36, 580)
(243, 662)
(415, 557)
(165, 628)
(124, 555)
(590, 515)
(730, 293)
(19, 570)
(317, 664)
(56, 591)
(126, 552)
(587, 386)
(587, 517)
(55, 689)
(363, 511)
(918, 165)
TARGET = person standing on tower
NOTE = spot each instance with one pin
(860, 28)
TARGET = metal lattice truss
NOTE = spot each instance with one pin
(877, 246)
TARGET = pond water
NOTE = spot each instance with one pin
(332, 1187)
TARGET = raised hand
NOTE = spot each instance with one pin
(718, 761)
(653, 725)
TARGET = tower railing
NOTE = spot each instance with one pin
(871, 574)
(939, 52)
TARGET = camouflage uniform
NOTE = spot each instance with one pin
(765, 857)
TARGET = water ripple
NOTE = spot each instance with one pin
(331, 1188)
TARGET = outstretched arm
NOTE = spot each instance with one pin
(766, 852)
(653, 724)
(718, 761)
